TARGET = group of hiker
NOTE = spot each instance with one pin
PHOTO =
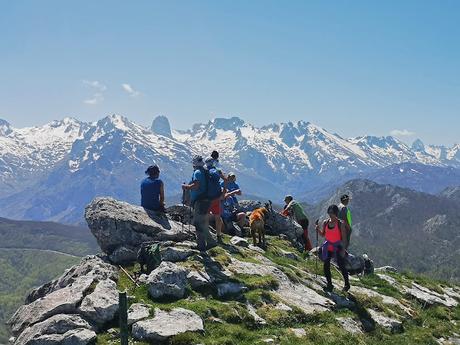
(211, 193)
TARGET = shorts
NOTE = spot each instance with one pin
(216, 207)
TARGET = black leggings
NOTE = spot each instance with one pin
(341, 263)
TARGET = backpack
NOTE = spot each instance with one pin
(213, 188)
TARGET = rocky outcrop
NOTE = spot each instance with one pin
(167, 281)
(118, 224)
(429, 297)
(167, 324)
(138, 312)
(93, 267)
(388, 323)
(58, 329)
(101, 305)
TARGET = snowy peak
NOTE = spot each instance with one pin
(5, 127)
(418, 146)
(161, 126)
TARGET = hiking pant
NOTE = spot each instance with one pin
(304, 224)
(343, 270)
(201, 223)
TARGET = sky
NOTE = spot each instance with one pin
(352, 67)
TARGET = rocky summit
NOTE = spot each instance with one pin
(236, 293)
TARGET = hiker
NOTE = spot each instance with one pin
(345, 216)
(230, 211)
(152, 190)
(233, 189)
(334, 232)
(216, 204)
(200, 203)
(294, 209)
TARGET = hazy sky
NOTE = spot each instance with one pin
(353, 67)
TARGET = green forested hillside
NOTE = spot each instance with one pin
(33, 253)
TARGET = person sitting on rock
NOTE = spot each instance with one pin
(152, 190)
(200, 204)
(230, 212)
(335, 233)
(294, 209)
(233, 189)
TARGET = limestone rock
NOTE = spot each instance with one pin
(138, 312)
(384, 269)
(115, 223)
(239, 241)
(299, 332)
(350, 325)
(123, 255)
(198, 279)
(58, 329)
(62, 301)
(176, 254)
(167, 281)
(90, 266)
(392, 325)
(429, 297)
(101, 305)
(167, 324)
(289, 255)
(252, 311)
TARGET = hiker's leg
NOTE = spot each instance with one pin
(304, 224)
(327, 272)
(343, 270)
(253, 233)
(219, 225)
(201, 223)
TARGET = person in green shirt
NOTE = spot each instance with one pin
(345, 216)
(293, 209)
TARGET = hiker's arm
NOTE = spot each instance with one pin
(162, 194)
(321, 229)
(194, 185)
(233, 193)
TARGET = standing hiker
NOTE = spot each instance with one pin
(200, 202)
(294, 209)
(214, 188)
(152, 190)
(334, 232)
(345, 216)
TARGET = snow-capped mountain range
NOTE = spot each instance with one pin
(51, 172)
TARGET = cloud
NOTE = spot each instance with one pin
(98, 88)
(129, 89)
(95, 84)
(402, 133)
(97, 98)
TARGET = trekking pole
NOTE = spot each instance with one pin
(317, 249)
(183, 208)
(123, 317)
(129, 276)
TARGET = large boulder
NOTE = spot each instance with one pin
(167, 324)
(115, 224)
(62, 301)
(167, 281)
(101, 305)
(58, 329)
(138, 312)
(91, 266)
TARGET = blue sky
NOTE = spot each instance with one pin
(353, 67)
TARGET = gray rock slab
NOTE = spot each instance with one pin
(390, 324)
(167, 281)
(138, 312)
(350, 325)
(167, 324)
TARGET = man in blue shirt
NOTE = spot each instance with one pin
(152, 190)
(233, 189)
(200, 204)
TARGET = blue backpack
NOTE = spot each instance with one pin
(213, 190)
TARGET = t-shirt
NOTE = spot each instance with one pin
(345, 214)
(231, 186)
(150, 193)
(229, 207)
(297, 210)
(198, 175)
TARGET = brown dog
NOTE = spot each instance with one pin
(257, 225)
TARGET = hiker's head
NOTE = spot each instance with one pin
(153, 171)
(288, 199)
(215, 155)
(345, 199)
(210, 163)
(333, 211)
(197, 162)
(231, 177)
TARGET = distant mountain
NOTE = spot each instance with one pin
(51, 172)
(451, 193)
(32, 253)
(402, 227)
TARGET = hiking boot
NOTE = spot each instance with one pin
(346, 288)
(329, 288)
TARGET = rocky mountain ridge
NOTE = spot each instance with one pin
(237, 293)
